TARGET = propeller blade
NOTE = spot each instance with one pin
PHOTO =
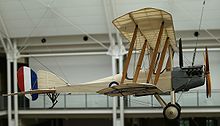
(208, 86)
(206, 59)
(207, 74)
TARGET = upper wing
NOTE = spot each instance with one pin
(148, 21)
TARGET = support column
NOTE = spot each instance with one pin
(15, 83)
(121, 98)
(8, 46)
(114, 106)
(122, 50)
(9, 89)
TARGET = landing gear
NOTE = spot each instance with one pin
(113, 83)
(172, 111)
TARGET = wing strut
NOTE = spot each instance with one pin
(140, 60)
(160, 65)
(129, 55)
(168, 65)
(155, 52)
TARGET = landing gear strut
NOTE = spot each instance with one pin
(172, 110)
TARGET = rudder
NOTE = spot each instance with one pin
(27, 80)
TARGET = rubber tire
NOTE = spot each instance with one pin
(113, 83)
(168, 106)
(177, 104)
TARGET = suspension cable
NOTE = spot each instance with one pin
(196, 34)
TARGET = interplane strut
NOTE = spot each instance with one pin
(155, 52)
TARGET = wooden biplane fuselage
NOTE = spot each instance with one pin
(151, 32)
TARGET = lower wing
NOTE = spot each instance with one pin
(131, 89)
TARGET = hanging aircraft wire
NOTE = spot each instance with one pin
(196, 34)
(186, 60)
(26, 42)
(48, 7)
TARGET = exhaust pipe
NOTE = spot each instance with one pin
(180, 53)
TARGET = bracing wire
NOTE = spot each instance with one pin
(45, 66)
(197, 37)
(140, 102)
(57, 63)
(135, 57)
(42, 64)
(72, 24)
(182, 91)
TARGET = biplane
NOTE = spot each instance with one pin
(151, 32)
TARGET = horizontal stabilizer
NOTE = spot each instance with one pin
(38, 91)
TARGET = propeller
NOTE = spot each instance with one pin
(207, 74)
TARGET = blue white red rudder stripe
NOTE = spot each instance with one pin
(27, 80)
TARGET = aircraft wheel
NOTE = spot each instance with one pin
(113, 83)
(171, 112)
(178, 105)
